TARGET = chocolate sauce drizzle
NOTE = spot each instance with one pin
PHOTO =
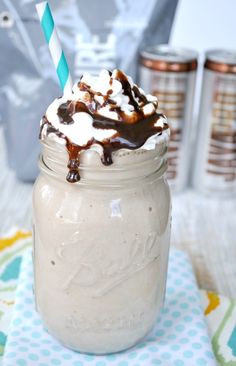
(64, 114)
(131, 131)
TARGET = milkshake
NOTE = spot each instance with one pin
(101, 215)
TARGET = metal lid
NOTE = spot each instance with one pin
(221, 60)
(167, 58)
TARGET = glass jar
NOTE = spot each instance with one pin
(101, 247)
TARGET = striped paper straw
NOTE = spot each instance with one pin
(50, 33)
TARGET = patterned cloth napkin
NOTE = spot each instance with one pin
(220, 313)
(12, 248)
(179, 338)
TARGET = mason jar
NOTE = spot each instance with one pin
(101, 246)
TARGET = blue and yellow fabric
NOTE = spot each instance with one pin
(12, 248)
(220, 312)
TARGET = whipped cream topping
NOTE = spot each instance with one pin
(108, 110)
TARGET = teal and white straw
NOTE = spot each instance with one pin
(50, 33)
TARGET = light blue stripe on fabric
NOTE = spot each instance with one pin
(232, 342)
(47, 23)
(62, 71)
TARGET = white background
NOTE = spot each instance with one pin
(203, 25)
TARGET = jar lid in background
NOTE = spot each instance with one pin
(221, 60)
(169, 59)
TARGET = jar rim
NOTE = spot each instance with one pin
(139, 163)
(102, 183)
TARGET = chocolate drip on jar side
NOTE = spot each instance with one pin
(74, 151)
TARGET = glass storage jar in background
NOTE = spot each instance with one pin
(101, 247)
(215, 160)
(170, 74)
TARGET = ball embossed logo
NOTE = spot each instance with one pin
(99, 268)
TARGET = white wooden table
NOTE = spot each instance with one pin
(205, 228)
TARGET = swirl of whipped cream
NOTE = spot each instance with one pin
(107, 110)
